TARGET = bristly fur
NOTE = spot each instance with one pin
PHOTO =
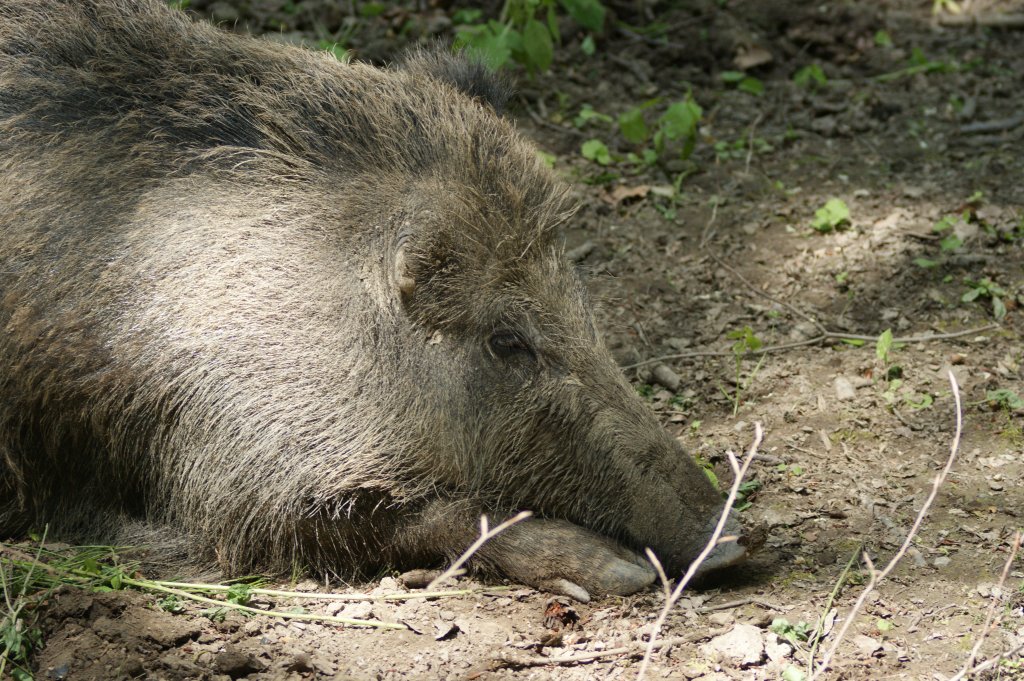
(200, 325)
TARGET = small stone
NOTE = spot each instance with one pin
(744, 645)
(357, 611)
(776, 648)
(941, 561)
(844, 389)
(866, 645)
(666, 377)
(236, 663)
(720, 619)
(918, 557)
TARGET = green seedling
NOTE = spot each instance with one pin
(794, 633)
(883, 346)
(743, 82)
(810, 76)
(746, 342)
(597, 151)
(918, 63)
(790, 469)
(745, 494)
(1004, 398)
(588, 115)
(526, 32)
(832, 216)
(986, 288)
(883, 39)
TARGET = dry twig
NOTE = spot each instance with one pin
(876, 576)
(831, 335)
(739, 473)
(991, 621)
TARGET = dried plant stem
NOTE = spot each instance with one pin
(876, 576)
(485, 535)
(991, 620)
(309, 617)
(830, 335)
(739, 473)
(320, 596)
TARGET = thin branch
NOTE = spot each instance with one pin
(987, 20)
(876, 577)
(485, 535)
(794, 310)
(321, 596)
(311, 617)
(739, 473)
(991, 621)
(819, 630)
(831, 335)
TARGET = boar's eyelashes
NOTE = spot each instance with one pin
(509, 344)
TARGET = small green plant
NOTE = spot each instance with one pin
(794, 633)
(832, 216)
(746, 493)
(738, 149)
(673, 131)
(746, 342)
(917, 63)
(810, 76)
(526, 32)
(743, 82)
(986, 288)
(597, 151)
(883, 39)
(1004, 398)
(884, 346)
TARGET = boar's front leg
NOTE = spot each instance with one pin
(551, 555)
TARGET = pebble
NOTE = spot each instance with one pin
(744, 644)
(844, 389)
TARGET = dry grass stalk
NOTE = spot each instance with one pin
(739, 473)
(876, 576)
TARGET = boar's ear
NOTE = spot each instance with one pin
(401, 275)
(466, 72)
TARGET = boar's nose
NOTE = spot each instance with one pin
(731, 548)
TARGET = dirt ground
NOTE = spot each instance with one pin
(852, 441)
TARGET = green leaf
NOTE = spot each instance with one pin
(812, 74)
(882, 39)
(732, 76)
(998, 308)
(546, 158)
(751, 86)
(587, 47)
(492, 43)
(925, 263)
(633, 127)
(830, 216)
(950, 243)
(680, 120)
(587, 13)
(537, 45)
(239, 594)
(884, 345)
(595, 150)
(971, 295)
(1005, 398)
(587, 113)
